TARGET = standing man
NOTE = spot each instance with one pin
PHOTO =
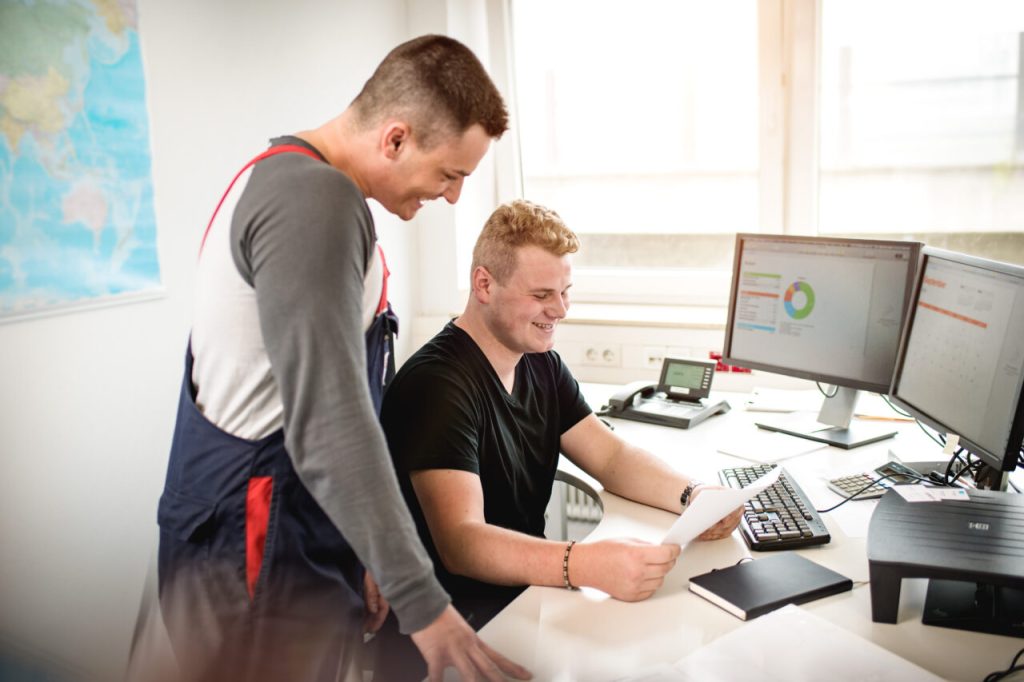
(475, 422)
(279, 488)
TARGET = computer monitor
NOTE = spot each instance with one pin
(961, 361)
(828, 309)
(960, 370)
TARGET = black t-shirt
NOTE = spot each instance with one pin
(447, 409)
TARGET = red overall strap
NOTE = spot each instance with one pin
(273, 151)
(382, 305)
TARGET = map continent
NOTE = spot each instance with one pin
(77, 223)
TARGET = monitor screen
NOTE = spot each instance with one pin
(820, 308)
(961, 362)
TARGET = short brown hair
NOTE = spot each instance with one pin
(438, 85)
(516, 224)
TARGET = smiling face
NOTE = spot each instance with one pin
(415, 175)
(523, 312)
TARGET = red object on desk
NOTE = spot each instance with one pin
(722, 367)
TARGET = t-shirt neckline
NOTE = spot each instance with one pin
(510, 396)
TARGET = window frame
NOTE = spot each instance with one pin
(789, 76)
(787, 79)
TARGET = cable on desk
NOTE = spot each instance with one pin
(872, 483)
(949, 479)
(966, 466)
(742, 560)
(938, 438)
(1000, 674)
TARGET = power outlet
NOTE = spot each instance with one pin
(653, 357)
(603, 355)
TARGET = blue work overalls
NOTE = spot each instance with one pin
(256, 583)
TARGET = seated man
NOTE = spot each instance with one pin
(475, 421)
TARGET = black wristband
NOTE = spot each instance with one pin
(684, 499)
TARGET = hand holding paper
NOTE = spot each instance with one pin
(711, 505)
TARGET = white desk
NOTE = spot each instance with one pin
(585, 635)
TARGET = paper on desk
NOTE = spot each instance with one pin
(873, 406)
(923, 493)
(711, 505)
(825, 651)
(765, 447)
(783, 400)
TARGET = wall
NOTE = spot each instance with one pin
(87, 398)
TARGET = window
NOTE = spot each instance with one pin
(639, 122)
(921, 127)
(658, 129)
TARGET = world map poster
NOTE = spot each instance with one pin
(77, 224)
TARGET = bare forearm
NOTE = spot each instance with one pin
(630, 570)
(622, 468)
(638, 475)
(501, 556)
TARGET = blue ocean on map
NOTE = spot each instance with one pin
(77, 223)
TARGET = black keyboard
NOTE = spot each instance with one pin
(780, 516)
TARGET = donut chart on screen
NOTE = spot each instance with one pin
(808, 306)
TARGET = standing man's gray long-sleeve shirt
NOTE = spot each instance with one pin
(287, 284)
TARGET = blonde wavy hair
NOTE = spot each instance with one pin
(516, 224)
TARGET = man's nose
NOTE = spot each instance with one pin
(451, 194)
(560, 307)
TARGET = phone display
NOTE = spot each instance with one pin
(688, 380)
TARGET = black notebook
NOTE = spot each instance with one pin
(756, 587)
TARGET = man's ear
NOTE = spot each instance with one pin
(482, 284)
(395, 138)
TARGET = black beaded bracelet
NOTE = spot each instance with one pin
(565, 566)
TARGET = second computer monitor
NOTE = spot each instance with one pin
(828, 309)
(961, 365)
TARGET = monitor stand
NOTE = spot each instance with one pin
(969, 550)
(977, 606)
(833, 424)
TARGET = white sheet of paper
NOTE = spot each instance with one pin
(766, 447)
(751, 651)
(711, 505)
(923, 493)
(783, 400)
(949, 494)
(827, 651)
(914, 493)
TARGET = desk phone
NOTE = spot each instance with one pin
(679, 399)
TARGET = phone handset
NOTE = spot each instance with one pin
(626, 396)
